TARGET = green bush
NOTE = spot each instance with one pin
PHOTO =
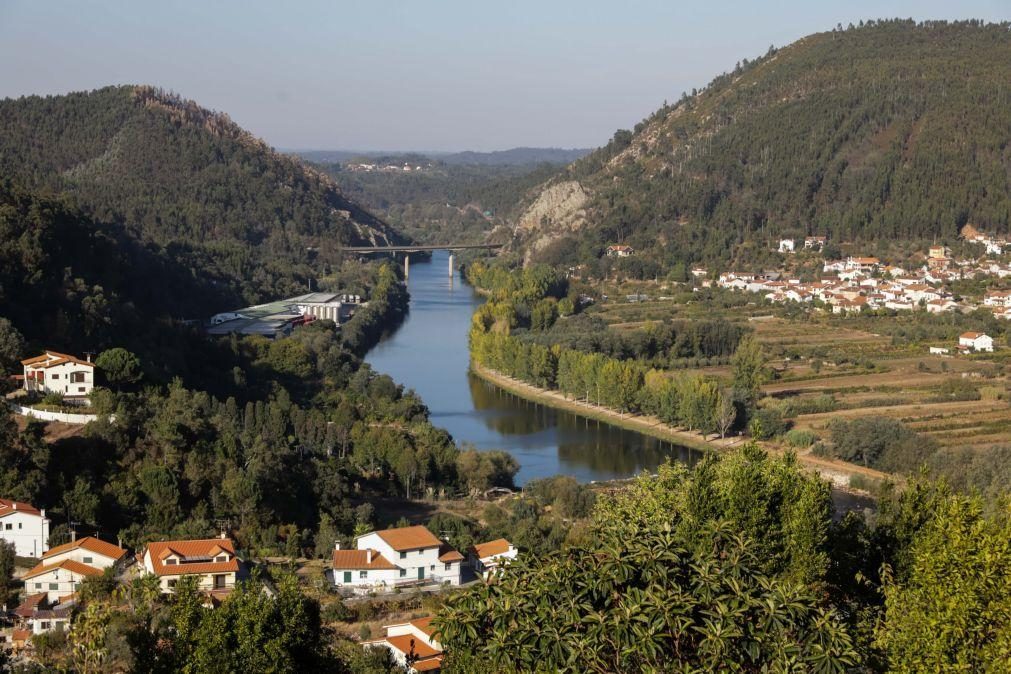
(800, 439)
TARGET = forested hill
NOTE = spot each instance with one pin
(188, 179)
(888, 131)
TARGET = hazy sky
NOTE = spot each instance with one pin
(416, 74)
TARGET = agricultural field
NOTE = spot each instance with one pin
(826, 367)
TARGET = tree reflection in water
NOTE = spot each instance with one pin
(584, 446)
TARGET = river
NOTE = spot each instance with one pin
(428, 353)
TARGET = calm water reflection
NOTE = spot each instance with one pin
(429, 354)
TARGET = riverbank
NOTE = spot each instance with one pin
(839, 473)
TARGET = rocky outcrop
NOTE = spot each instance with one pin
(558, 208)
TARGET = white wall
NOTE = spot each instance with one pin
(64, 581)
(29, 533)
(46, 415)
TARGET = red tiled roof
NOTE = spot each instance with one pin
(90, 543)
(409, 538)
(68, 564)
(448, 554)
(403, 644)
(21, 635)
(7, 507)
(358, 559)
(206, 547)
(28, 606)
(970, 335)
(496, 547)
(428, 665)
(425, 625)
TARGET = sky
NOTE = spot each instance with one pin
(419, 75)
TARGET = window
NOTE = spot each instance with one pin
(449, 566)
(221, 558)
(80, 389)
(219, 581)
(19, 525)
(403, 573)
(54, 586)
(347, 576)
(171, 561)
(172, 583)
(9, 526)
(363, 574)
(88, 560)
(403, 555)
(55, 376)
(77, 377)
(38, 586)
(44, 625)
(432, 567)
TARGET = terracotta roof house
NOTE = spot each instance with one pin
(62, 569)
(406, 555)
(55, 372)
(413, 645)
(488, 558)
(212, 560)
(24, 526)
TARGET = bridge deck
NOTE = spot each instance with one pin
(419, 248)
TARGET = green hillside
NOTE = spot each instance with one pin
(187, 179)
(883, 132)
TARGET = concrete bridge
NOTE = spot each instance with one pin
(407, 249)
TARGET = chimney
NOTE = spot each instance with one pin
(119, 541)
(337, 545)
(15, 504)
(368, 556)
(73, 535)
(224, 534)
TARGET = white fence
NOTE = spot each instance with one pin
(46, 415)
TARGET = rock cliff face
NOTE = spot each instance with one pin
(559, 209)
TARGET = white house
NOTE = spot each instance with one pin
(939, 350)
(26, 527)
(40, 615)
(62, 569)
(487, 558)
(815, 242)
(976, 341)
(396, 557)
(213, 560)
(55, 372)
(413, 645)
(998, 298)
(620, 251)
(786, 246)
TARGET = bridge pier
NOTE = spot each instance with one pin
(407, 266)
(450, 265)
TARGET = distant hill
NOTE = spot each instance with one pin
(257, 222)
(518, 156)
(888, 132)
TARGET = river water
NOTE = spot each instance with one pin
(428, 353)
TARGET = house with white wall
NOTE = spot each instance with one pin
(55, 372)
(786, 246)
(24, 526)
(488, 558)
(975, 341)
(62, 569)
(397, 557)
(212, 560)
(413, 645)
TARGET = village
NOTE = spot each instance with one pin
(864, 283)
(382, 562)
